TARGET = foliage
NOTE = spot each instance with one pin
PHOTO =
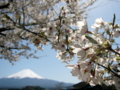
(29, 88)
(59, 86)
(32, 88)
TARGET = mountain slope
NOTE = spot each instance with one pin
(28, 78)
(19, 83)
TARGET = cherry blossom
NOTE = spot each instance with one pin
(45, 22)
(83, 28)
(116, 33)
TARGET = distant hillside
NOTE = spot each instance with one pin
(28, 78)
(28, 88)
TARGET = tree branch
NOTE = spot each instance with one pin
(37, 34)
(5, 29)
(108, 69)
(2, 34)
(114, 51)
(4, 6)
(8, 47)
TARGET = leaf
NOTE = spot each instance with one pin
(42, 33)
(111, 67)
(19, 19)
(117, 26)
(118, 58)
(106, 44)
(69, 41)
(114, 18)
(106, 70)
(110, 23)
(7, 16)
(62, 8)
(91, 39)
(108, 32)
(112, 40)
(63, 21)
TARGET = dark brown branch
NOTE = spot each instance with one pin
(4, 6)
(30, 24)
(60, 18)
(2, 34)
(110, 49)
(5, 29)
(114, 51)
(8, 47)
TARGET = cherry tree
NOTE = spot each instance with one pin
(38, 22)
(62, 24)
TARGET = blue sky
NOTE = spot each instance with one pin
(49, 66)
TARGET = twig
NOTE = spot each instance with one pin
(108, 69)
(110, 49)
(37, 34)
(8, 47)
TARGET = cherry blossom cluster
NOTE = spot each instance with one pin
(62, 24)
(98, 62)
(38, 22)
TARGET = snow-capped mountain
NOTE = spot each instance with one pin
(27, 73)
(28, 78)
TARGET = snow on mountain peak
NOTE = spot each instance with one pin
(26, 73)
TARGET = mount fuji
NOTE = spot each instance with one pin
(28, 78)
(27, 73)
